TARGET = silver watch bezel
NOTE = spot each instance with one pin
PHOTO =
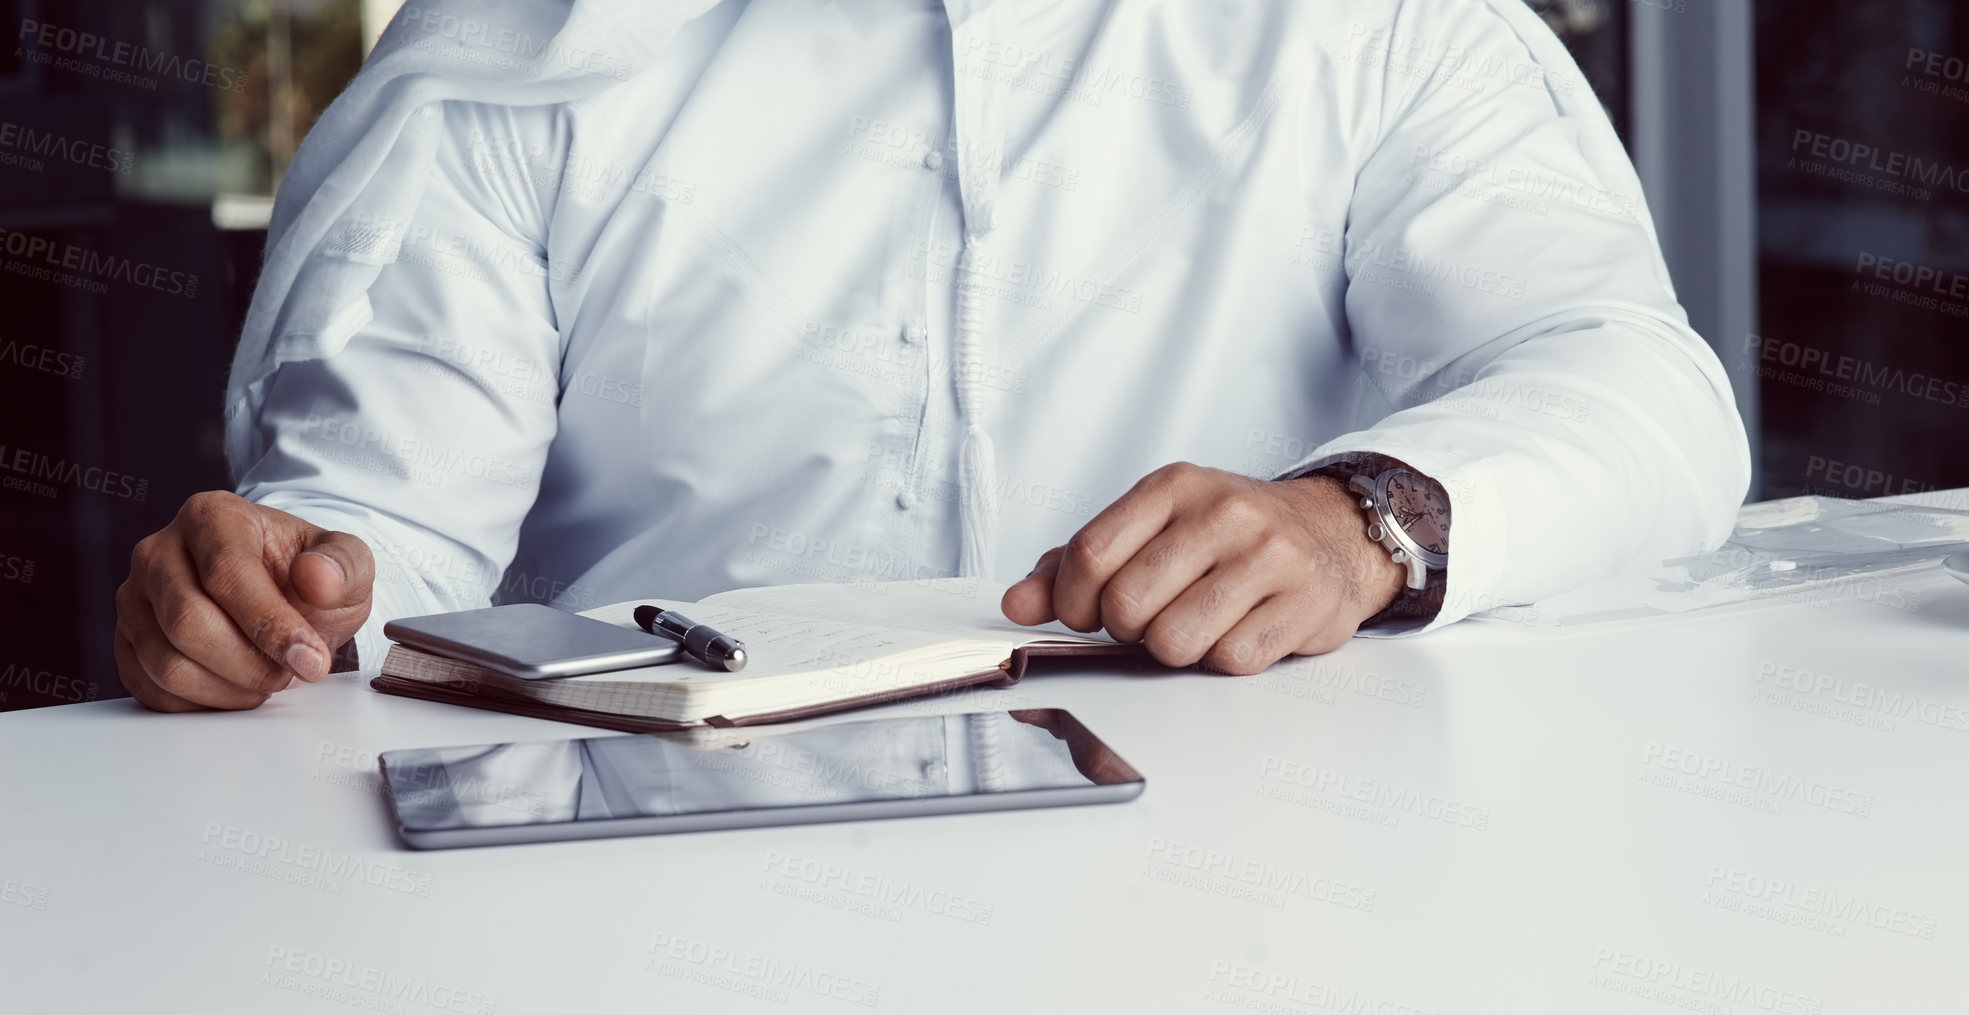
(1394, 538)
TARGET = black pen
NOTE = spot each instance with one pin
(717, 651)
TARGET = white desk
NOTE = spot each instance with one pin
(1496, 821)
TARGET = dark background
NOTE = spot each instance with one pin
(116, 394)
(1840, 69)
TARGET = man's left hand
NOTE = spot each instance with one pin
(1213, 567)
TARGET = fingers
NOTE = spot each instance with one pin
(1189, 627)
(207, 618)
(1146, 585)
(164, 597)
(1284, 624)
(336, 571)
(318, 580)
(162, 677)
(1115, 535)
(139, 684)
(1030, 599)
(1202, 565)
(200, 631)
(228, 548)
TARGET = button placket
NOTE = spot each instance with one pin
(914, 332)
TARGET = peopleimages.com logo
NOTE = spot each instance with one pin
(88, 53)
(93, 265)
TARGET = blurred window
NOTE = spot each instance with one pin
(1596, 32)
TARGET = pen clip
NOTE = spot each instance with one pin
(646, 619)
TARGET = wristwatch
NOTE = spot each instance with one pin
(1408, 513)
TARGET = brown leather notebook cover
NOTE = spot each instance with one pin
(401, 659)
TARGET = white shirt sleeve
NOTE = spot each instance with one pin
(1514, 321)
(426, 434)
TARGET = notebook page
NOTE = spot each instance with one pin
(946, 607)
(784, 644)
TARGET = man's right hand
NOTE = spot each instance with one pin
(232, 601)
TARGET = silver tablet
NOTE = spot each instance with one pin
(494, 794)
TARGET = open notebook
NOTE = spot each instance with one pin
(810, 649)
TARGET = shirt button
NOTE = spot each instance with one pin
(933, 161)
(914, 334)
(933, 770)
(906, 500)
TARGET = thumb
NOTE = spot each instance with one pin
(333, 571)
(1030, 600)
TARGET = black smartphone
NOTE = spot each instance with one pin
(533, 642)
(495, 794)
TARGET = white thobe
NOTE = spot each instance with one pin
(769, 310)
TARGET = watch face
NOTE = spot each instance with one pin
(1421, 509)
